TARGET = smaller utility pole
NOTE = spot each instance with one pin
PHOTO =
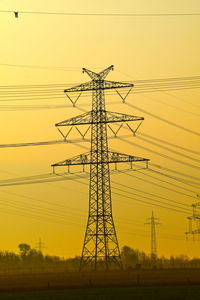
(40, 245)
(194, 221)
(153, 223)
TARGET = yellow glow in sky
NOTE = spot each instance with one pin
(139, 48)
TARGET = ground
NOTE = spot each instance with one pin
(136, 293)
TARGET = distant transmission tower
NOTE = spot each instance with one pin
(194, 221)
(153, 223)
(100, 247)
(40, 245)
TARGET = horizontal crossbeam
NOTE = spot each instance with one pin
(92, 86)
(85, 159)
(87, 118)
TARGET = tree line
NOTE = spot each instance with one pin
(131, 259)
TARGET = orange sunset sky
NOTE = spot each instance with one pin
(52, 49)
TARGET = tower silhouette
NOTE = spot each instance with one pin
(40, 245)
(194, 221)
(153, 223)
(100, 247)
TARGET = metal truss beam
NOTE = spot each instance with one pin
(103, 85)
(87, 118)
(112, 157)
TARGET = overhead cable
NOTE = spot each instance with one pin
(86, 14)
(161, 154)
(164, 120)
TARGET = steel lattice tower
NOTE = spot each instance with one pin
(100, 247)
(153, 223)
(40, 245)
(194, 221)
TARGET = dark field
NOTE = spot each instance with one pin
(143, 284)
(77, 280)
(135, 293)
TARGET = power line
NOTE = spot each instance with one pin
(25, 87)
(35, 178)
(16, 13)
(38, 209)
(168, 149)
(157, 201)
(181, 99)
(138, 84)
(174, 171)
(181, 210)
(140, 200)
(154, 183)
(143, 197)
(162, 79)
(154, 80)
(152, 195)
(192, 184)
(32, 107)
(130, 221)
(174, 106)
(57, 89)
(160, 237)
(43, 201)
(49, 179)
(42, 143)
(29, 214)
(180, 187)
(36, 216)
(168, 143)
(159, 185)
(149, 204)
(164, 120)
(161, 154)
(53, 142)
(70, 69)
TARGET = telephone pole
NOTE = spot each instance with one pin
(100, 247)
(153, 223)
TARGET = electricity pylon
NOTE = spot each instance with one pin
(40, 245)
(194, 221)
(153, 223)
(100, 247)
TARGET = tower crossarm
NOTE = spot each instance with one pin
(194, 217)
(82, 119)
(197, 204)
(195, 231)
(87, 118)
(92, 86)
(113, 157)
(150, 223)
(152, 219)
(118, 117)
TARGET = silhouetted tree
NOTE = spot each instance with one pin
(24, 249)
